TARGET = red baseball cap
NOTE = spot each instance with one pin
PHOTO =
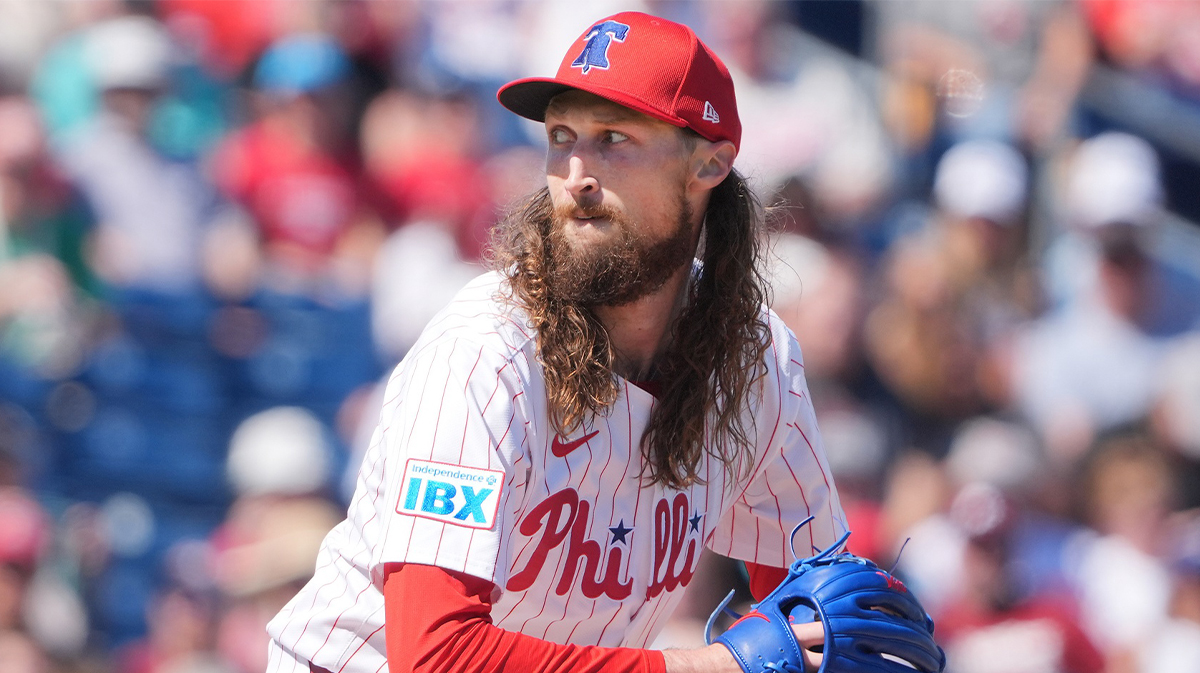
(657, 67)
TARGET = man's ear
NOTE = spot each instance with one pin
(712, 161)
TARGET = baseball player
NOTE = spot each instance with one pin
(566, 435)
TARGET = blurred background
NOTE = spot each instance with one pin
(223, 222)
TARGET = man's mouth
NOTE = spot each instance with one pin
(588, 217)
(585, 216)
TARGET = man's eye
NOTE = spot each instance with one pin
(559, 136)
(616, 137)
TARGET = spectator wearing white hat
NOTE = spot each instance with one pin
(954, 288)
(279, 466)
(981, 189)
(1112, 184)
(150, 210)
(991, 614)
(1091, 363)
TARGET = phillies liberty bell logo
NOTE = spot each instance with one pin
(595, 51)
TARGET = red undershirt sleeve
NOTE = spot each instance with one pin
(439, 621)
(764, 579)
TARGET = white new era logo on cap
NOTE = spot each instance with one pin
(710, 113)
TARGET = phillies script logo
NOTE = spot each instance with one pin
(562, 519)
(670, 532)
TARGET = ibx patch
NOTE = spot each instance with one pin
(453, 494)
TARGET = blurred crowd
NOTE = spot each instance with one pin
(223, 223)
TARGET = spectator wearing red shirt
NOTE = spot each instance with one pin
(294, 169)
(990, 626)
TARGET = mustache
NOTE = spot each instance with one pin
(566, 211)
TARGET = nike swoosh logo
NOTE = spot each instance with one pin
(560, 449)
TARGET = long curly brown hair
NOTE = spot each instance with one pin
(716, 352)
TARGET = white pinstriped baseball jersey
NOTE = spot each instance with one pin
(465, 472)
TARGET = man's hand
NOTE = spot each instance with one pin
(841, 608)
(716, 658)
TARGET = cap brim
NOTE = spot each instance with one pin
(529, 98)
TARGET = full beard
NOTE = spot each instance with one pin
(620, 272)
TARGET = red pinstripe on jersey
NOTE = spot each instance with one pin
(758, 466)
(466, 385)
(437, 426)
(824, 476)
(611, 520)
(613, 506)
(315, 594)
(359, 648)
(433, 444)
(507, 430)
(333, 627)
(804, 498)
(571, 480)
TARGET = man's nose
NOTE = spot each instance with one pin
(581, 183)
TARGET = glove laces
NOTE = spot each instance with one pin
(782, 667)
(796, 568)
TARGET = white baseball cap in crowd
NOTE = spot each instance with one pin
(982, 178)
(129, 52)
(280, 451)
(993, 451)
(1113, 178)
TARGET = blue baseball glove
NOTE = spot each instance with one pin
(873, 624)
